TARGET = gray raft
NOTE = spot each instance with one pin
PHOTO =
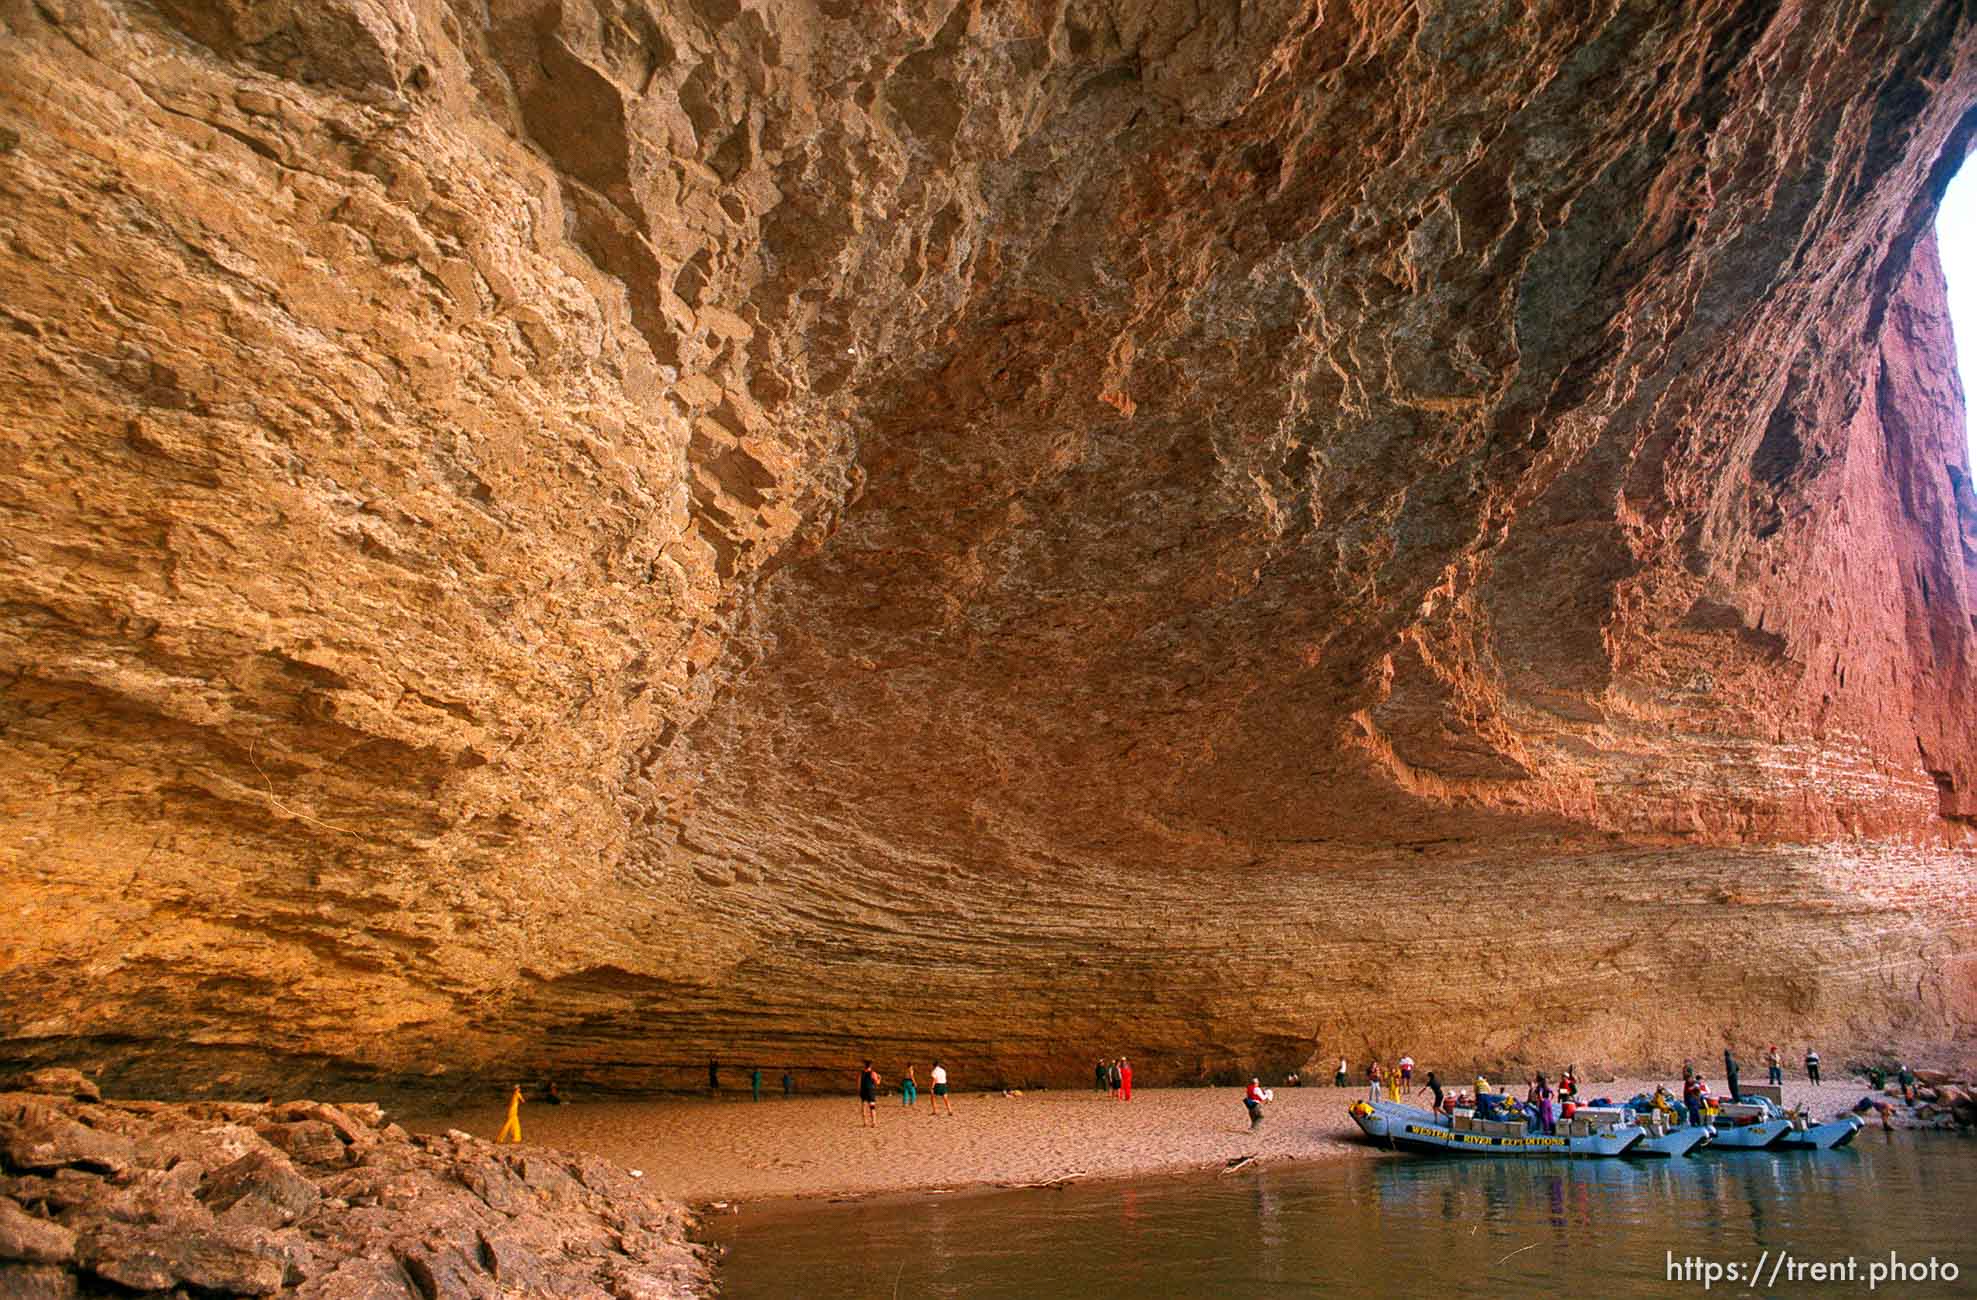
(1676, 1141)
(1755, 1136)
(1409, 1128)
(1800, 1133)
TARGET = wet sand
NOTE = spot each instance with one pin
(739, 1150)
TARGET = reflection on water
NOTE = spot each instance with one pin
(1427, 1226)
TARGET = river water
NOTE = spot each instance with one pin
(1402, 1227)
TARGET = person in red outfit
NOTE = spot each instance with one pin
(1125, 1079)
(1252, 1100)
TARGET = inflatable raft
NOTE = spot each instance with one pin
(1409, 1128)
(1748, 1126)
(1801, 1134)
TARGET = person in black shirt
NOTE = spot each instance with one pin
(868, 1095)
(1435, 1086)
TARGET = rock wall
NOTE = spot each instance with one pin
(584, 536)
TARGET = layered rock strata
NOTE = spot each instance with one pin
(588, 536)
(312, 1200)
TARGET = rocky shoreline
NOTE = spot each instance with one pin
(313, 1200)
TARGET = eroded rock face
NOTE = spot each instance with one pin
(215, 1197)
(590, 536)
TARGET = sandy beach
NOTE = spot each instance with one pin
(735, 1149)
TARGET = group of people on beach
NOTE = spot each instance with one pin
(869, 1083)
(1544, 1098)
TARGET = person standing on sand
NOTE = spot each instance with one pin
(1433, 1085)
(939, 1076)
(868, 1095)
(1373, 1081)
(1729, 1074)
(1774, 1066)
(713, 1077)
(1112, 1077)
(755, 1082)
(1098, 1073)
(1339, 1080)
(1252, 1100)
(909, 1088)
(789, 1083)
(514, 1125)
(1125, 1079)
(1406, 1072)
(1812, 1066)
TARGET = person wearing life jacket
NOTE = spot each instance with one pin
(1692, 1095)
(1664, 1103)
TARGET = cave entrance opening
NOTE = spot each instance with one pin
(1956, 240)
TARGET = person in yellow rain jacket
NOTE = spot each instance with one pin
(514, 1124)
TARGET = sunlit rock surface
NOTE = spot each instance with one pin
(584, 536)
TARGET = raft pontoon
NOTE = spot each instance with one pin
(1409, 1128)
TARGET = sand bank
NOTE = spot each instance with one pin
(733, 1150)
(701, 1150)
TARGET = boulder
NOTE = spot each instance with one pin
(449, 1274)
(511, 1263)
(308, 1142)
(53, 1142)
(346, 1127)
(36, 1282)
(262, 1190)
(28, 1239)
(56, 1082)
(157, 1257)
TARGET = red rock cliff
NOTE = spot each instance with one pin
(588, 536)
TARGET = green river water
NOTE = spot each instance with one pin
(1427, 1227)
